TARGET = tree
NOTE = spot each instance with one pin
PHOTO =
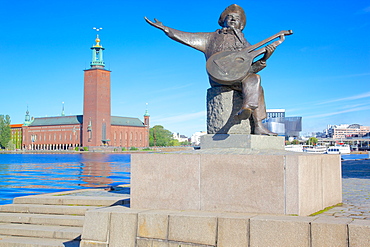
(10, 145)
(312, 141)
(5, 132)
(185, 143)
(174, 142)
(159, 136)
(295, 142)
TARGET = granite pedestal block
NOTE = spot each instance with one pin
(291, 183)
(222, 105)
(242, 141)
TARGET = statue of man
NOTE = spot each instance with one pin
(230, 38)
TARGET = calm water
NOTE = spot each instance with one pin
(27, 174)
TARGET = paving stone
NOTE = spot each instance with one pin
(233, 230)
(195, 228)
(153, 224)
(280, 231)
(329, 230)
(96, 225)
(123, 227)
(359, 233)
(12, 241)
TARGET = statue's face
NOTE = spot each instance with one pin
(232, 20)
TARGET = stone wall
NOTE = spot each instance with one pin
(123, 227)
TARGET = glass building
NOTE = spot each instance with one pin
(283, 126)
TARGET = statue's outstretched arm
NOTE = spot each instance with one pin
(195, 40)
(157, 24)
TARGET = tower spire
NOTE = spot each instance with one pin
(27, 119)
(63, 114)
(146, 117)
(97, 52)
(146, 110)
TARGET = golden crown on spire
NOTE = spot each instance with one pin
(97, 40)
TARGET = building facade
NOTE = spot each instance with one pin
(96, 127)
(343, 131)
(16, 132)
(277, 122)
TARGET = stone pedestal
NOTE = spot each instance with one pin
(259, 142)
(222, 105)
(288, 183)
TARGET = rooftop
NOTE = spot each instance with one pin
(78, 119)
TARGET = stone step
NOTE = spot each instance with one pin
(72, 200)
(42, 219)
(41, 231)
(45, 209)
(12, 241)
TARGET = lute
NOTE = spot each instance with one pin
(228, 67)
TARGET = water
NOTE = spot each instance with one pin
(358, 169)
(28, 174)
(354, 156)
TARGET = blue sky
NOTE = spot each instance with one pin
(321, 72)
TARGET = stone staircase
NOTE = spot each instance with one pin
(51, 219)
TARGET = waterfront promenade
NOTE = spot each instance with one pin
(356, 191)
(353, 214)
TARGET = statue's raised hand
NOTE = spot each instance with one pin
(157, 24)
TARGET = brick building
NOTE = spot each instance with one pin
(96, 127)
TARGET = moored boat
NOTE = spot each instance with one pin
(339, 149)
(333, 150)
(315, 149)
(294, 148)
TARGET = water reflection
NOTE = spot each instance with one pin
(26, 174)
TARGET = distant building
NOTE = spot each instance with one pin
(180, 138)
(343, 131)
(195, 138)
(277, 122)
(96, 127)
(275, 113)
(16, 132)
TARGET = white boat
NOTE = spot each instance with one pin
(315, 149)
(333, 150)
(294, 148)
(339, 149)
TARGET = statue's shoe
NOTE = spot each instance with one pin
(263, 131)
(243, 114)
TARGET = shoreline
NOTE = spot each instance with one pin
(110, 151)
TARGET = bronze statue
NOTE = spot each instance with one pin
(230, 60)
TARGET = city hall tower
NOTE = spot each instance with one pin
(97, 100)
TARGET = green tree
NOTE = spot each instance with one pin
(174, 142)
(312, 141)
(10, 145)
(5, 132)
(159, 136)
(295, 142)
(185, 143)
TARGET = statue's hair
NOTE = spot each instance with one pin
(233, 8)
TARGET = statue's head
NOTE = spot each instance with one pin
(233, 16)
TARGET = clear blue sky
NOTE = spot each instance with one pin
(321, 72)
